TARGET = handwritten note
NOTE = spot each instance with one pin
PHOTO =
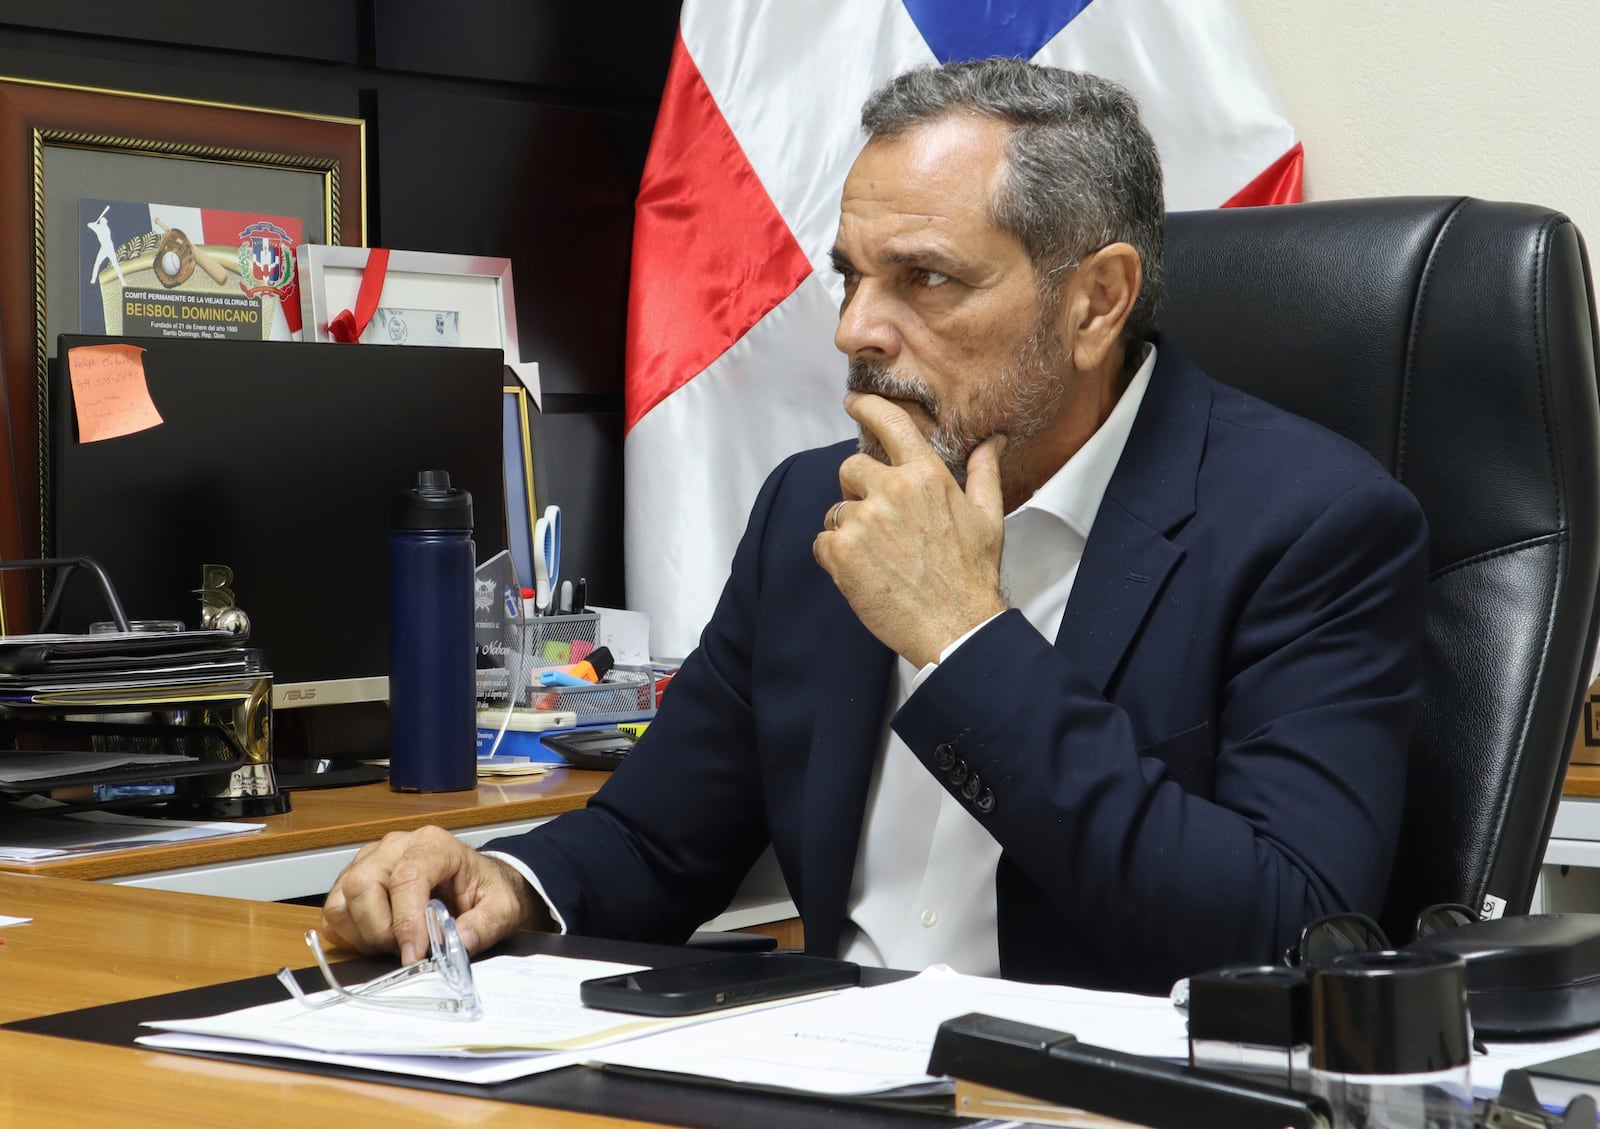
(109, 391)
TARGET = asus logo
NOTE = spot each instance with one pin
(293, 694)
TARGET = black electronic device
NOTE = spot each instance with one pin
(282, 462)
(1528, 975)
(598, 749)
(744, 978)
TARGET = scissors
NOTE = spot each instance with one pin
(546, 557)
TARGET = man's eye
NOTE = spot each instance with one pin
(932, 278)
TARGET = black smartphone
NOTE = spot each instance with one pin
(745, 978)
(601, 749)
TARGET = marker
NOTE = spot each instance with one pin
(564, 605)
(596, 665)
(530, 607)
(580, 594)
(585, 673)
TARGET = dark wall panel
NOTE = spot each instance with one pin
(549, 187)
(614, 50)
(578, 466)
(305, 29)
(178, 72)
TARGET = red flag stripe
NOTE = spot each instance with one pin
(1279, 183)
(711, 253)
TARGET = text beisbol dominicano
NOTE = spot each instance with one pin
(152, 313)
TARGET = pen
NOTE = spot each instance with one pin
(580, 595)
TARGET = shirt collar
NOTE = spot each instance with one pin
(1074, 492)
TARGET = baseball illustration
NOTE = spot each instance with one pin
(170, 263)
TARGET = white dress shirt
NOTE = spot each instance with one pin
(923, 890)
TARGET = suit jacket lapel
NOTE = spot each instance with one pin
(1128, 555)
(844, 747)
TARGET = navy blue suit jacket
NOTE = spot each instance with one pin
(1211, 753)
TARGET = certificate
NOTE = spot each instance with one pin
(173, 270)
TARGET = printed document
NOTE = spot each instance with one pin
(530, 1004)
(876, 1041)
(533, 1022)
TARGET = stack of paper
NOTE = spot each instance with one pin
(532, 1022)
(855, 1042)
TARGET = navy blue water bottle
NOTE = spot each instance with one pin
(432, 649)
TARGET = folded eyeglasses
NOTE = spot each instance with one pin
(447, 957)
(1357, 933)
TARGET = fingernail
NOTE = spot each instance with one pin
(1004, 442)
(469, 937)
(408, 953)
(851, 396)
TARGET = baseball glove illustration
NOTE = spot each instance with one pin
(174, 258)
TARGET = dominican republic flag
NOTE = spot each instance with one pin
(730, 358)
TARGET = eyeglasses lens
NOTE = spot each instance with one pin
(1342, 934)
(1436, 919)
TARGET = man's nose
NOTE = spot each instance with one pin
(867, 325)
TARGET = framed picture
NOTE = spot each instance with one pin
(422, 298)
(72, 159)
(516, 440)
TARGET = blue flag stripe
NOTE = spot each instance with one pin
(985, 29)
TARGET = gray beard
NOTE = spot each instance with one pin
(1020, 402)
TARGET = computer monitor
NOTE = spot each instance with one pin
(281, 461)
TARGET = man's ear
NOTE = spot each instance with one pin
(1100, 296)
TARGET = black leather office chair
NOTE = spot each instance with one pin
(1455, 340)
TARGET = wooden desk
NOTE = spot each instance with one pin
(343, 817)
(92, 943)
(1582, 780)
(302, 851)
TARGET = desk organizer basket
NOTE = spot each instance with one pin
(557, 640)
(628, 694)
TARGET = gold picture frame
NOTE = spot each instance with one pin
(61, 143)
(522, 507)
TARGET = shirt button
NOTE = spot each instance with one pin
(930, 918)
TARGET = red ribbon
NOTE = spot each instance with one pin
(348, 327)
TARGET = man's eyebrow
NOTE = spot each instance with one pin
(926, 259)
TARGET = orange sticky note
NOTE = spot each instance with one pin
(109, 391)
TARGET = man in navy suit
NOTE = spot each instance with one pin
(1083, 668)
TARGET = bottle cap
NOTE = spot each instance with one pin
(433, 504)
(1389, 1012)
(1262, 1004)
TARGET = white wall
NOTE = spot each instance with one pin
(1491, 98)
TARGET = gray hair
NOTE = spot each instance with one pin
(1082, 170)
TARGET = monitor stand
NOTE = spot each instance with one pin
(324, 746)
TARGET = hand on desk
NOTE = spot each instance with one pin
(376, 904)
